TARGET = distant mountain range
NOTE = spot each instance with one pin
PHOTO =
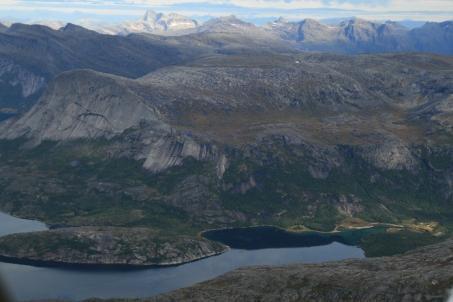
(361, 36)
(31, 55)
(350, 34)
(156, 23)
(347, 36)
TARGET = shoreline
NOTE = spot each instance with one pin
(101, 266)
(132, 267)
(307, 230)
(201, 234)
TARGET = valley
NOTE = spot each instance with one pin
(167, 147)
(109, 152)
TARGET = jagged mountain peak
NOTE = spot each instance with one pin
(311, 22)
(314, 31)
(394, 23)
(226, 24)
(279, 23)
(153, 22)
(446, 25)
(283, 27)
(29, 29)
(281, 20)
(70, 27)
(357, 29)
(390, 27)
(356, 21)
(228, 20)
(150, 15)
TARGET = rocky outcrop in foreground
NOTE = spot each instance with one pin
(425, 274)
(110, 246)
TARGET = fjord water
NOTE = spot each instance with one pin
(29, 282)
(11, 225)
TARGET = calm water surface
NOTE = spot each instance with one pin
(28, 282)
(11, 225)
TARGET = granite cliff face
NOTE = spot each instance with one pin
(96, 106)
(19, 86)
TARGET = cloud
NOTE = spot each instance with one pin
(435, 10)
(372, 5)
(8, 2)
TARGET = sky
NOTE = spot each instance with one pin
(257, 11)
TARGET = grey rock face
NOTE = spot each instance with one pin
(434, 37)
(226, 24)
(90, 110)
(390, 155)
(19, 84)
(29, 82)
(156, 23)
(87, 104)
(169, 151)
(312, 31)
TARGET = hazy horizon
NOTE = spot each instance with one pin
(255, 11)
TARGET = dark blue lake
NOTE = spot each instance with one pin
(5, 116)
(28, 282)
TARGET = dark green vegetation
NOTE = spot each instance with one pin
(307, 141)
(77, 184)
(356, 187)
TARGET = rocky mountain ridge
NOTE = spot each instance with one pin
(158, 23)
(362, 36)
(43, 53)
(349, 36)
(173, 96)
(35, 54)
